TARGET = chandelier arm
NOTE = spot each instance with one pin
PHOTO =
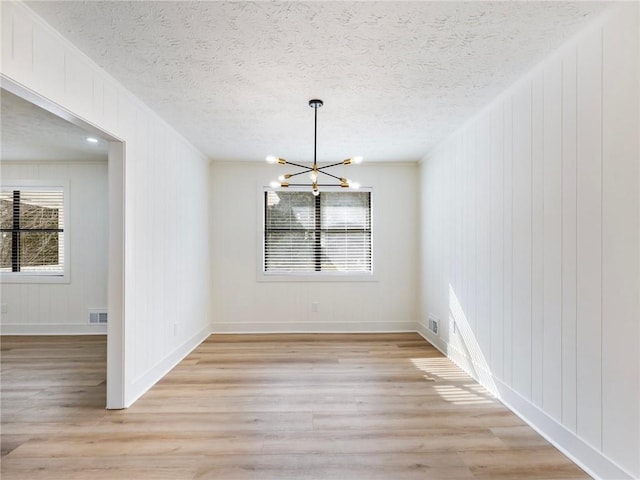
(300, 173)
(329, 174)
(298, 165)
(332, 165)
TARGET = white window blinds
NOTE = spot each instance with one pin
(32, 230)
(328, 233)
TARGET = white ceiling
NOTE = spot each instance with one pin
(30, 133)
(396, 77)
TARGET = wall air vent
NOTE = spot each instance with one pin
(434, 325)
(97, 317)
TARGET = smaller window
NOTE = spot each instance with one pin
(32, 221)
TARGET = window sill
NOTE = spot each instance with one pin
(318, 277)
(19, 278)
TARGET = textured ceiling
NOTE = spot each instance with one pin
(30, 133)
(396, 77)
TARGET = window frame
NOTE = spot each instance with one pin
(318, 276)
(43, 277)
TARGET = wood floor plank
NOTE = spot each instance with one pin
(291, 406)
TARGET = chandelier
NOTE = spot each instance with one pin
(314, 171)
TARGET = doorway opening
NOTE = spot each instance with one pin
(106, 178)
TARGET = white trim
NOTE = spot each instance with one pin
(316, 277)
(262, 276)
(115, 277)
(143, 383)
(312, 327)
(437, 342)
(52, 329)
(19, 277)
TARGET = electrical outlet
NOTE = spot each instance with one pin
(175, 329)
(4, 308)
(314, 307)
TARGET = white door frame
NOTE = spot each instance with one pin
(116, 246)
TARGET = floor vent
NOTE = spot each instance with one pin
(434, 325)
(97, 317)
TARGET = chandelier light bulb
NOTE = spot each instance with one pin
(274, 184)
(357, 159)
(314, 177)
(354, 185)
(271, 159)
(316, 193)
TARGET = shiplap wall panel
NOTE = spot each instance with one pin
(19, 44)
(108, 114)
(466, 294)
(537, 235)
(552, 241)
(457, 180)
(522, 240)
(496, 240)
(435, 258)
(48, 65)
(449, 222)
(620, 240)
(565, 255)
(97, 97)
(470, 304)
(483, 233)
(589, 238)
(569, 241)
(7, 43)
(78, 85)
(508, 242)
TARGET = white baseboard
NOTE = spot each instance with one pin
(52, 329)
(142, 384)
(434, 340)
(312, 327)
(592, 461)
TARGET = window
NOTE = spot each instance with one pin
(328, 233)
(32, 231)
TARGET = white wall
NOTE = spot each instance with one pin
(530, 242)
(46, 308)
(241, 303)
(166, 231)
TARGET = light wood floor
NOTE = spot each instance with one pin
(341, 407)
